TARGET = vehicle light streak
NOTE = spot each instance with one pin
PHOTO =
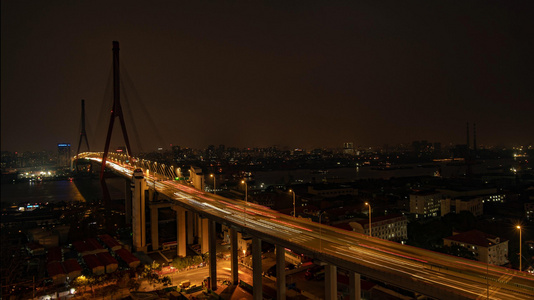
(292, 225)
(403, 261)
(393, 253)
(216, 208)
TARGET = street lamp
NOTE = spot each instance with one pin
(294, 212)
(320, 232)
(246, 201)
(214, 184)
(368, 204)
(520, 254)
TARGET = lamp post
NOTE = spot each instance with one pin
(320, 232)
(520, 253)
(294, 211)
(487, 277)
(246, 202)
(214, 184)
(368, 204)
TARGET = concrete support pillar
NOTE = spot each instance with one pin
(180, 231)
(354, 286)
(330, 282)
(154, 228)
(138, 187)
(257, 280)
(190, 227)
(198, 227)
(213, 254)
(280, 273)
(234, 256)
(128, 201)
(204, 236)
(151, 194)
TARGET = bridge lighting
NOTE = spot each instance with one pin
(214, 184)
(246, 202)
(294, 211)
(520, 252)
(320, 232)
(368, 204)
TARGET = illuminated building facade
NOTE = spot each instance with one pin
(63, 155)
(425, 204)
(390, 227)
(471, 204)
(485, 247)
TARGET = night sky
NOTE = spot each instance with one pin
(254, 74)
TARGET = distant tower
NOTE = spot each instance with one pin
(348, 148)
(63, 155)
(83, 134)
(475, 139)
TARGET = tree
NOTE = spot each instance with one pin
(166, 280)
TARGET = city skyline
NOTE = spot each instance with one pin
(306, 75)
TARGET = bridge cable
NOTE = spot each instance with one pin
(105, 107)
(141, 105)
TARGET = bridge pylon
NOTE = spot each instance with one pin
(116, 111)
(83, 134)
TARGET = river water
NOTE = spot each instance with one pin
(62, 190)
(90, 190)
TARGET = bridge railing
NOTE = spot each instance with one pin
(151, 168)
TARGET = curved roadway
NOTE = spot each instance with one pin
(430, 273)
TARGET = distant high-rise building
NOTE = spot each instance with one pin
(63, 155)
(348, 148)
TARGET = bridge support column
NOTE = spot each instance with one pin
(181, 250)
(280, 273)
(354, 286)
(213, 254)
(330, 282)
(198, 227)
(154, 228)
(128, 201)
(190, 226)
(150, 195)
(204, 236)
(138, 216)
(257, 280)
(234, 256)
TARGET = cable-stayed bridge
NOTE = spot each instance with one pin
(433, 274)
(429, 273)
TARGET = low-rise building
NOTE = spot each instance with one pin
(197, 177)
(391, 227)
(425, 204)
(110, 263)
(56, 272)
(73, 268)
(94, 264)
(470, 204)
(485, 247)
(487, 194)
(128, 258)
(110, 242)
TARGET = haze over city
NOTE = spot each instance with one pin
(301, 74)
